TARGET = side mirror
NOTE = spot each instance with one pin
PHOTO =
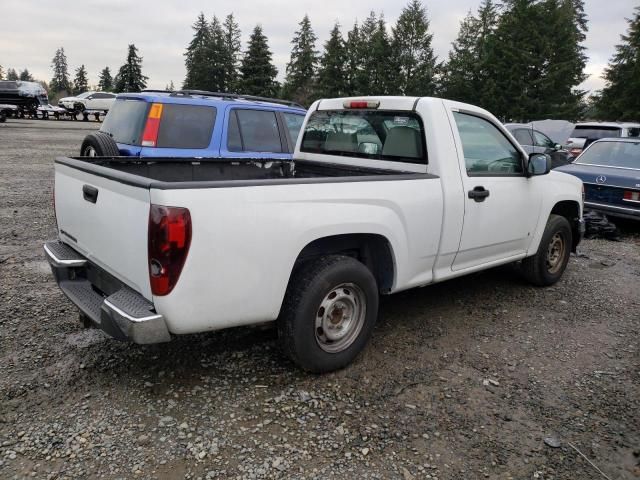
(539, 164)
(557, 147)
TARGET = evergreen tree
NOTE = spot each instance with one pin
(12, 74)
(25, 76)
(105, 80)
(301, 68)
(216, 76)
(257, 70)
(197, 55)
(619, 98)
(60, 81)
(170, 87)
(353, 64)
(467, 76)
(1, 73)
(366, 68)
(80, 82)
(232, 53)
(332, 74)
(130, 77)
(415, 61)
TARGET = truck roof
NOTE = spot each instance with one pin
(200, 97)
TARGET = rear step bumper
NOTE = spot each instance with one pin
(120, 312)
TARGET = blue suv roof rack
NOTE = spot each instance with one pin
(232, 96)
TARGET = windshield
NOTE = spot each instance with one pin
(596, 132)
(125, 120)
(612, 154)
(381, 135)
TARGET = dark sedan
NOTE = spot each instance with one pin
(610, 171)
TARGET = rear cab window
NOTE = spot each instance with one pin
(374, 134)
(294, 123)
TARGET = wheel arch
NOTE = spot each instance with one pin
(373, 250)
(569, 209)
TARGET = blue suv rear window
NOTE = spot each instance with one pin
(186, 126)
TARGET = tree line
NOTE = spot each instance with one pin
(520, 59)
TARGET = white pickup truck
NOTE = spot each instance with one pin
(384, 194)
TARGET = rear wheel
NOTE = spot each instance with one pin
(550, 261)
(329, 313)
(99, 145)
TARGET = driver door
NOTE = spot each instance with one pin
(501, 203)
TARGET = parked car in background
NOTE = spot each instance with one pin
(610, 171)
(588, 132)
(26, 96)
(100, 101)
(384, 194)
(193, 123)
(534, 141)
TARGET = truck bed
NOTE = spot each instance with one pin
(173, 173)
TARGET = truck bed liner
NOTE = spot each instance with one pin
(172, 173)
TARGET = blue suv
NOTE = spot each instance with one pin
(194, 123)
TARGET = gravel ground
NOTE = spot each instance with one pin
(480, 377)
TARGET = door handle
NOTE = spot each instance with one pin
(479, 194)
(89, 193)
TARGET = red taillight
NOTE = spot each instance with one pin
(169, 241)
(630, 196)
(372, 104)
(151, 128)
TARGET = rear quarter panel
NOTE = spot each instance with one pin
(246, 241)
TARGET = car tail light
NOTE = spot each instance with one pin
(169, 241)
(631, 196)
(150, 134)
(353, 104)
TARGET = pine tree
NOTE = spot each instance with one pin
(130, 77)
(467, 76)
(332, 75)
(170, 87)
(1, 73)
(381, 62)
(105, 81)
(415, 61)
(257, 70)
(80, 82)
(232, 53)
(12, 74)
(301, 68)
(60, 81)
(197, 55)
(619, 98)
(216, 78)
(366, 69)
(353, 64)
(25, 76)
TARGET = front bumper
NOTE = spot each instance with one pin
(613, 210)
(108, 303)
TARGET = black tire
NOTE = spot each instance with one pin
(99, 144)
(310, 286)
(548, 264)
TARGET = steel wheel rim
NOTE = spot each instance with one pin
(90, 152)
(340, 317)
(555, 253)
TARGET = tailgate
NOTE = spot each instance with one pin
(106, 221)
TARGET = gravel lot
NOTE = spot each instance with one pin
(481, 377)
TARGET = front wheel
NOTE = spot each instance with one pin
(329, 312)
(550, 261)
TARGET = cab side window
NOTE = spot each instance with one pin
(487, 151)
(542, 140)
(523, 136)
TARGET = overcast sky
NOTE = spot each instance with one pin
(96, 32)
